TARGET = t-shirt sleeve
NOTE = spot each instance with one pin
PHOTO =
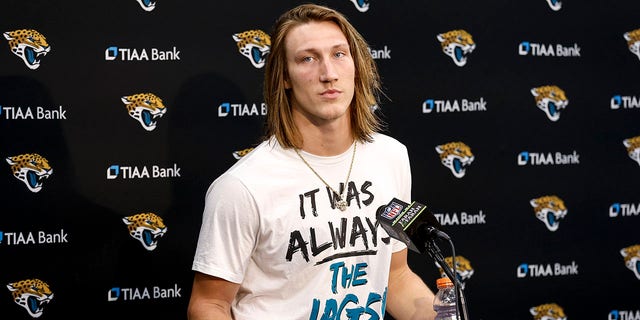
(404, 187)
(228, 231)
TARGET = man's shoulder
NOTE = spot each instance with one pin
(387, 141)
(259, 159)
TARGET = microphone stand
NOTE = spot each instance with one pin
(434, 251)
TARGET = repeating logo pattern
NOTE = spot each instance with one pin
(551, 100)
(147, 5)
(463, 268)
(32, 48)
(241, 153)
(457, 44)
(633, 148)
(633, 41)
(29, 45)
(555, 5)
(456, 156)
(30, 168)
(146, 108)
(548, 311)
(550, 210)
(147, 228)
(631, 257)
(361, 5)
(31, 294)
(255, 45)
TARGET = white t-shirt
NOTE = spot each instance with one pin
(269, 225)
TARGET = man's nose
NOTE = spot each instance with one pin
(328, 72)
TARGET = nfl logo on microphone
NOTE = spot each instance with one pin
(392, 210)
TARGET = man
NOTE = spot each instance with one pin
(290, 232)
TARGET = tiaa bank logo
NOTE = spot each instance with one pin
(625, 102)
(462, 105)
(550, 210)
(242, 109)
(551, 100)
(548, 311)
(30, 168)
(18, 238)
(141, 54)
(146, 108)
(624, 315)
(31, 294)
(548, 158)
(547, 270)
(147, 5)
(376, 54)
(29, 45)
(633, 41)
(633, 148)
(143, 293)
(631, 257)
(147, 228)
(456, 156)
(255, 45)
(463, 268)
(142, 172)
(457, 44)
(555, 5)
(624, 210)
(526, 48)
(33, 113)
(461, 218)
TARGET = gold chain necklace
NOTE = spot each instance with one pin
(342, 202)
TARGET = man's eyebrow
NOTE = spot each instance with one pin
(314, 49)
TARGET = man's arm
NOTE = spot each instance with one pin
(408, 298)
(211, 298)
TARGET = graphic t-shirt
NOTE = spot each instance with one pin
(270, 224)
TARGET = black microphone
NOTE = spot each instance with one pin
(410, 224)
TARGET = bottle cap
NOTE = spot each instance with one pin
(444, 282)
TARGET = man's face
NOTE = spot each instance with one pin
(321, 73)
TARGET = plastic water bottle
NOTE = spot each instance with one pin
(444, 302)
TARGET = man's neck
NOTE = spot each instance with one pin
(328, 140)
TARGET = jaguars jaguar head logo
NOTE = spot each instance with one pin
(631, 257)
(633, 41)
(31, 294)
(147, 5)
(551, 100)
(464, 271)
(550, 210)
(146, 108)
(147, 228)
(456, 156)
(28, 44)
(555, 5)
(30, 168)
(457, 44)
(633, 148)
(548, 311)
(241, 153)
(361, 5)
(255, 45)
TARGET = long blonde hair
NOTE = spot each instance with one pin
(364, 121)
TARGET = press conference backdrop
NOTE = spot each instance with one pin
(521, 120)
